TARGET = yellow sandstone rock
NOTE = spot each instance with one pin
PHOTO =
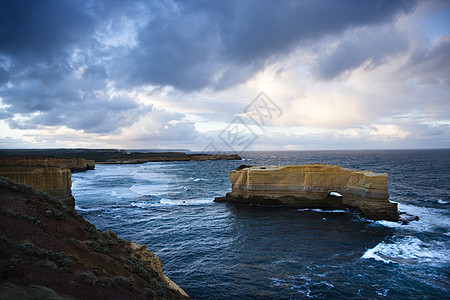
(53, 180)
(47, 174)
(74, 164)
(309, 186)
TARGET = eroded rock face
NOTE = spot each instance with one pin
(309, 186)
(74, 164)
(53, 180)
(47, 174)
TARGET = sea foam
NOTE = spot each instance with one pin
(409, 249)
(430, 219)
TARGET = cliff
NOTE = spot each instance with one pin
(48, 251)
(53, 180)
(47, 174)
(74, 164)
(112, 156)
(180, 157)
(311, 186)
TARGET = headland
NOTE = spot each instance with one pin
(48, 251)
(114, 156)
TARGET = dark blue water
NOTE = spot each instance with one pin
(223, 251)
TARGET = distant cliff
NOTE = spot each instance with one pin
(74, 164)
(312, 186)
(113, 156)
(48, 251)
(181, 157)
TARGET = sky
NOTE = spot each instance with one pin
(225, 75)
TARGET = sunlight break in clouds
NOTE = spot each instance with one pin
(149, 74)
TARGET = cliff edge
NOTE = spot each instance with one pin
(47, 174)
(73, 164)
(313, 186)
(48, 251)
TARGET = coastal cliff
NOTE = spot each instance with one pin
(73, 164)
(179, 157)
(53, 180)
(313, 186)
(48, 251)
(110, 156)
(47, 174)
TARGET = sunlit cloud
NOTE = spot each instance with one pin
(147, 74)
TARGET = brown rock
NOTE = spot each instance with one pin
(69, 257)
(309, 186)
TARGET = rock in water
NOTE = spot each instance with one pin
(313, 186)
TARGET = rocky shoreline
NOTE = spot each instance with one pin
(48, 251)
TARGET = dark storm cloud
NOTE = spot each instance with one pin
(372, 47)
(40, 28)
(222, 43)
(59, 59)
(431, 65)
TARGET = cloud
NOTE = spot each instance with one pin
(431, 65)
(160, 126)
(386, 132)
(75, 103)
(366, 47)
(41, 29)
(195, 45)
(143, 72)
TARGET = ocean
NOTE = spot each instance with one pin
(224, 251)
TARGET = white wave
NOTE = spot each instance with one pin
(77, 183)
(117, 192)
(441, 201)
(323, 210)
(88, 209)
(146, 189)
(171, 202)
(143, 204)
(153, 176)
(198, 179)
(429, 219)
(409, 250)
(186, 202)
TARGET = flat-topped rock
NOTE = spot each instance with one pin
(313, 186)
(53, 180)
(74, 164)
(46, 174)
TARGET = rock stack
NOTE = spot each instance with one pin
(313, 186)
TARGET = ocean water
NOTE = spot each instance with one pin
(224, 251)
